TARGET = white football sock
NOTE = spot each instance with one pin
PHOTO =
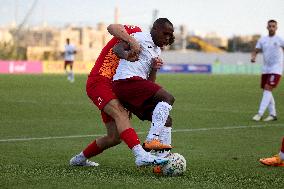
(165, 138)
(159, 118)
(138, 150)
(72, 75)
(271, 107)
(166, 135)
(266, 98)
(82, 156)
(281, 154)
(69, 75)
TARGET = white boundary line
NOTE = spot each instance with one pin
(174, 131)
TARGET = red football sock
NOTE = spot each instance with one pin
(130, 137)
(92, 150)
(282, 147)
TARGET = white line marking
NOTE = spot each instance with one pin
(222, 110)
(41, 102)
(174, 131)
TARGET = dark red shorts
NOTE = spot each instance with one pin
(136, 95)
(270, 79)
(99, 90)
(66, 62)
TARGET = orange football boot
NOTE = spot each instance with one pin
(155, 144)
(273, 161)
(157, 169)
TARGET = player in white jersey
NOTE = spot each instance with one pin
(142, 67)
(69, 52)
(134, 83)
(272, 48)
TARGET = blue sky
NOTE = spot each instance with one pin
(226, 17)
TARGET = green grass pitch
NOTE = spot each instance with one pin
(212, 130)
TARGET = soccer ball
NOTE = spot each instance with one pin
(176, 165)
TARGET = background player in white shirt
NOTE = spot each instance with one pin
(69, 52)
(272, 48)
(134, 83)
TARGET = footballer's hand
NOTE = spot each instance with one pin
(253, 57)
(132, 56)
(157, 63)
(128, 113)
(134, 46)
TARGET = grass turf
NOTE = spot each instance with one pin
(212, 130)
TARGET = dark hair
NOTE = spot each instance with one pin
(172, 40)
(161, 21)
(272, 21)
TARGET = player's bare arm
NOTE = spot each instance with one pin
(253, 55)
(118, 30)
(157, 63)
(122, 50)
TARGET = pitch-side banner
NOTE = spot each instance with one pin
(20, 67)
(186, 68)
(58, 66)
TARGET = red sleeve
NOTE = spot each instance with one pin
(132, 29)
